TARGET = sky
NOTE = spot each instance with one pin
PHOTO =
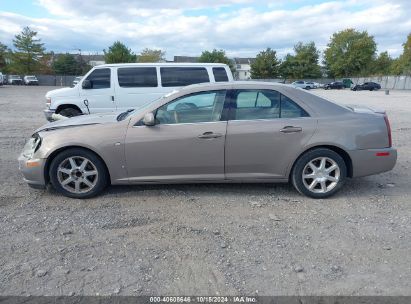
(241, 27)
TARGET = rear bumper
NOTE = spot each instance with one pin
(34, 176)
(372, 161)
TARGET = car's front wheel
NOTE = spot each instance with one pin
(319, 173)
(78, 173)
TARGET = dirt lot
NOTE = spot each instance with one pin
(205, 239)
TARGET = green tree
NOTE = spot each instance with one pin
(216, 56)
(402, 65)
(66, 64)
(150, 55)
(382, 64)
(119, 53)
(288, 67)
(305, 63)
(29, 51)
(4, 53)
(349, 52)
(265, 65)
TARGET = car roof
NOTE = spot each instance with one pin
(161, 64)
(317, 104)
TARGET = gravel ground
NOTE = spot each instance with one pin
(225, 239)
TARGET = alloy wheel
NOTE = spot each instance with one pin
(77, 174)
(321, 175)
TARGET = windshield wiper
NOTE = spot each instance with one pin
(122, 115)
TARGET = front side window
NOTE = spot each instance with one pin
(183, 76)
(100, 79)
(265, 104)
(220, 74)
(193, 108)
(137, 77)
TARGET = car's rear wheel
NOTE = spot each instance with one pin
(69, 112)
(78, 173)
(319, 173)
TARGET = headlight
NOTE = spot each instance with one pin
(31, 146)
(48, 102)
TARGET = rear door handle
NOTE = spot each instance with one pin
(291, 129)
(208, 135)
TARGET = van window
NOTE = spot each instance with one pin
(182, 76)
(100, 79)
(137, 77)
(220, 74)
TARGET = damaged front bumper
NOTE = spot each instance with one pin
(33, 171)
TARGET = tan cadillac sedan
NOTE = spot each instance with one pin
(230, 132)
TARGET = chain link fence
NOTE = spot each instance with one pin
(386, 82)
(55, 80)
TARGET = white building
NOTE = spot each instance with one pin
(243, 68)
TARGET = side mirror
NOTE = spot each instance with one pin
(149, 119)
(86, 84)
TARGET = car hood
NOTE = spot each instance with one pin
(83, 120)
(62, 92)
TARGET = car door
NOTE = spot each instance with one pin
(186, 143)
(100, 95)
(265, 132)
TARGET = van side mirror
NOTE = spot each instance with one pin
(86, 84)
(149, 119)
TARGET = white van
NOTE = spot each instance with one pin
(118, 87)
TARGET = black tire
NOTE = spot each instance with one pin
(312, 155)
(98, 165)
(70, 112)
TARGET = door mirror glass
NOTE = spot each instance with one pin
(86, 84)
(149, 119)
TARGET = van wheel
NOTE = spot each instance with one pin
(78, 173)
(319, 173)
(69, 112)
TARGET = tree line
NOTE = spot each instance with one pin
(348, 53)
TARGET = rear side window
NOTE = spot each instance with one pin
(137, 77)
(220, 74)
(100, 79)
(181, 76)
(257, 104)
(265, 104)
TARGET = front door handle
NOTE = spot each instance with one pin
(208, 135)
(291, 129)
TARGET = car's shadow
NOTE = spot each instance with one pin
(363, 187)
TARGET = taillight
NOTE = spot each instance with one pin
(387, 123)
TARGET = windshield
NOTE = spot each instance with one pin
(31, 77)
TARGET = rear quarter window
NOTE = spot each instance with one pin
(220, 74)
(183, 76)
